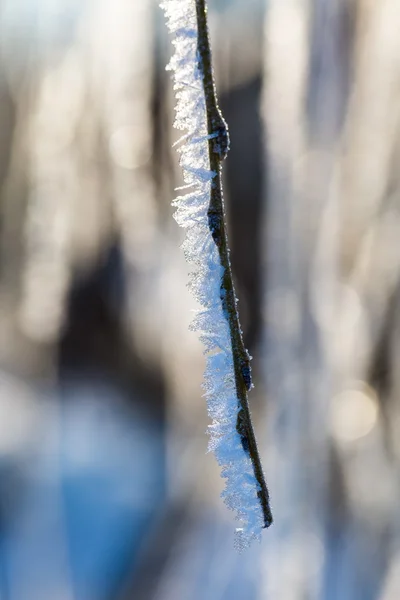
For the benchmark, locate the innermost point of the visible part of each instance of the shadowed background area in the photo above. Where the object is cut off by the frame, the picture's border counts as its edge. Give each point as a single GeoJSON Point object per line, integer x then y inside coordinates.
{"type": "Point", "coordinates": [106, 489]}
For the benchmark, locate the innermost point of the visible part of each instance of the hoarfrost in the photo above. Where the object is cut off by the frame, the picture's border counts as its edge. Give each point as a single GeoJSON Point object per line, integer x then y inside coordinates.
{"type": "Point", "coordinates": [240, 493]}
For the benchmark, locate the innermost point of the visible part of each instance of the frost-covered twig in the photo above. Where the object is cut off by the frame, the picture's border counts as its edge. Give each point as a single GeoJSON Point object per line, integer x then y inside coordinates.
{"type": "Point", "coordinates": [228, 373]}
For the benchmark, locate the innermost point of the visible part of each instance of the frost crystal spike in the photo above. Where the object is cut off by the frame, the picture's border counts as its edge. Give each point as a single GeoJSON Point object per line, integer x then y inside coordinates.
{"type": "Point", "coordinates": [203, 147]}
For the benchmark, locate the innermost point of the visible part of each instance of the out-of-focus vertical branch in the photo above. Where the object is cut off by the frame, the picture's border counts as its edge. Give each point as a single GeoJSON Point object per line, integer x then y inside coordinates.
{"type": "Point", "coordinates": [333, 271]}
{"type": "Point", "coordinates": [294, 371]}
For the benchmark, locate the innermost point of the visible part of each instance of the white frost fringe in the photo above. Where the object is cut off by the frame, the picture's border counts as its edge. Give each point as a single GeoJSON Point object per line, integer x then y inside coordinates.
{"type": "Point", "coordinates": [240, 493]}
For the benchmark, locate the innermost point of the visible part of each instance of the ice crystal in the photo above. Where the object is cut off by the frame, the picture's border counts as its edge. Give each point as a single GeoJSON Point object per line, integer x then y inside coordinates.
{"type": "Point", "coordinates": [240, 493]}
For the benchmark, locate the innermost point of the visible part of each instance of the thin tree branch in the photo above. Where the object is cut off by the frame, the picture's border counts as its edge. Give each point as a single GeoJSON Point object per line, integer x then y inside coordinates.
{"type": "Point", "coordinates": [218, 145]}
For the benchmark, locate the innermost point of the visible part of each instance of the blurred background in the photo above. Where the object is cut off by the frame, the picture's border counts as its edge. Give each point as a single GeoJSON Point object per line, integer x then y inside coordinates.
{"type": "Point", "coordinates": [106, 489]}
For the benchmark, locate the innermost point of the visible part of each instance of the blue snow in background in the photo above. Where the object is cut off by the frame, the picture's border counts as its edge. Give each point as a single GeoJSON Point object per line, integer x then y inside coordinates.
{"type": "Point", "coordinates": [92, 492]}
